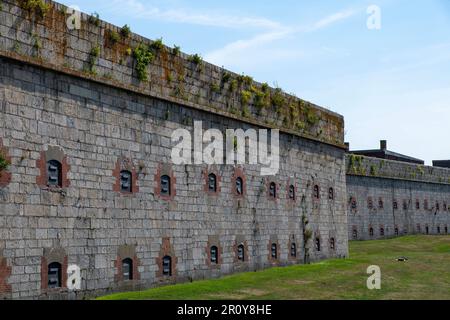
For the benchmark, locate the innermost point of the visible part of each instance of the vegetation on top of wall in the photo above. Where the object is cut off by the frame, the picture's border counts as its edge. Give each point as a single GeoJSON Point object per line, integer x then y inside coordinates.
{"type": "Point", "coordinates": [196, 59]}
{"type": "Point", "coordinates": [356, 164]}
{"type": "Point", "coordinates": [114, 37]}
{"type": "Point", "coordinates": [37, 7]}
{"type": "Point", "coordinates": [176, 50]}
{"type": "Point", "coordinates": [246, 96]}
{"type": "Point", "coordinates": [157, 45]}
{"type": "Point", "coordinates": [94, 18]}
{"type": "Point", "coordinates": [125, 31]}
{"type": "Point", "coordinates": [144, 57]}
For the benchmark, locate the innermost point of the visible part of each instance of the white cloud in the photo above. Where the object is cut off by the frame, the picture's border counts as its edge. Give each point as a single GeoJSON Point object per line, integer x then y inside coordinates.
{"type": "Point", "coordinates": [331, 19]}
{"type": "Point", "coordinates": [242, 53]}
{"type": "Point", "coordinates": [139, 10]}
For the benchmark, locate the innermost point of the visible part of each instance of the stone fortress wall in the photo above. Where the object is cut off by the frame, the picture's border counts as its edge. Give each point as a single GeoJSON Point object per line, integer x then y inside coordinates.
{"type": "Point", "coordinates": [388, 198]}
{"type": "Point", "coordinates": [83, 102]}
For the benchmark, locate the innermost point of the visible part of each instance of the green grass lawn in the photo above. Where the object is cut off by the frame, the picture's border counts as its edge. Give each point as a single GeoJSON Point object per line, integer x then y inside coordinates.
{"type": "Point", "coordinates": [426, 275]}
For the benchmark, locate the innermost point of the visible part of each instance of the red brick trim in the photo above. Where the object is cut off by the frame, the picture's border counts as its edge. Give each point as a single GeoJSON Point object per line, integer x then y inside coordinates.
{"type": "Point", "coordinates": [166, 250]}
{"type": "Point", "coordinates": [206, 174]}
{"type": "Point", "coordinates": [44, 273]}
{"type": "Point", "coordinates": [277, 190]}
{"type": "Point", "coordinates": [208, 254]}
{"type": "Point", "coordinates": [269, 247]}
{"type": "Point", "coordinates": [118, 277]}
{"type": "Point", "coordinates": [316, 199]}
{"type": "Point", "coordinates": [288, 185]}
{"type": "Point", "coordinates": [239, 172]}
{"type": "Point", "coordinates": [5, 272]}
{"type": "Point", "coordinates": [370, 204]}
{"type": "Point", "coordinates": [352, 201]}
{"type": "Point", "coordinates": [297, 248]}
{"type": "Point", "coordinates": [41, 164]}
{"type": "Point", "coordinates": [165, 170]}
{"type": "Point", "coordinates": [5, 176]}
{"type": "Point", "coordinates": [124, 163]}
{"type": "Point", "coordinates": [235, 250]}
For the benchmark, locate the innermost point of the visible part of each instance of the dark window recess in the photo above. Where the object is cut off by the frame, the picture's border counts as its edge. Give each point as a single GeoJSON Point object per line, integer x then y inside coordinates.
{"type": "Point", "coordinates": [331, 194]}
{"type": "Point", "coordinates": [396, 232]}
{"type": "Point", "coordinates": [241, 253]}
{"type": "Point", "coordinates": [54, 174]}
{"type": "Point", "coordinates": [446, 230]}
{"type": "Point", "coordinates": [316, 192]}
{"type": "Point", "coordinates": [371, 232]}
{"type": "Point", "coordinates": [353, 203]}
{"type": "Point", "coordinates": [214, 255]}
{"type": "Point", "coordinates": [273, 190]}
{"type": "Point", "coordinates": [380, 204]}
{"type": "Point", "coordinates": [395, 205]}
{"type": "Point", "coordinates": [355, 234]}
{"type": "Point", "coordinates": [165, 186]}
{"type": "Point", "coordinates": [293, 250]}
{"type": "Point", "coordinates": [274, 251]}
{"type": "Point", "coordinates": [405, 205]}
{"type": "Point", "coordinates": [318, 248]}
{"type": "Point", "coordinates": [167, 266]}
{"type": "Point", "coordinates": [291, 192]}
{"type": "Point", "coordinates": [427, 230]}
{"type": "Point", "coordinates": [370, 203]}
{"type": "Point", "coordinates": [239, 186]}
{"type": "Point", "coordinates": [212, 183]}
{"type": "Point", "coordinates": [382, 232]}
{"type": "Point", "coordinates": [417, 205]}
{"type": "Point", "coordinates": [127, 269]}
{"type": "Point", "coordinates": [125, 181]}
{"type": "Point", "coordinates": [444, 206]}
{"type": "Point", "coordinates": [54, 275]}
{"type": "Point", "coordinates": [437, 206]}
{"type": "Point", "coordinates": [332, 244]}
{"type": "Point", "coordinates": [438, 229]}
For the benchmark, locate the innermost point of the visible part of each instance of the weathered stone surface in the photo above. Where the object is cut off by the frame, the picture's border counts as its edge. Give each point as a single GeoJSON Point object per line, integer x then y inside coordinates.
{"type": "Point", "coordinates": [421, 195]}
{"type": "Point", "coordinates": [95, 121]}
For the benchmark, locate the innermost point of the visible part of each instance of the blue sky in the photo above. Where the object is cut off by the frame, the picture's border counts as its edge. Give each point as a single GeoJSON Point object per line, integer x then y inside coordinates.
{"type": "Point", "coordinates": [392, 83]}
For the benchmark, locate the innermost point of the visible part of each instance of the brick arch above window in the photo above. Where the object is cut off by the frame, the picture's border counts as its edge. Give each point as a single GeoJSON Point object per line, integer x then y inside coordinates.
{"type": "Point", "coordinates": [123, 166]}
{"type": "Point", "coordinates": [239, 177]}
{"type": "Point", "coordinates": [166, 250]}
{"type": "Point", "coordinates": [53, 155]}
{"type": "Point", "coordinates": [214, 244]}
{"type": "Point", "coordinates": [208, 175]}
{"type": "Point", "coordinates": [53, 256]}
{"type": "Point", "coordinates": [165, 188]}
{"type": "Point", "coordinates": [5, 175]}
{"type": "Point", "coordinates": [291, 190]}
{"type": "Point", "coordinates": [273, 190]}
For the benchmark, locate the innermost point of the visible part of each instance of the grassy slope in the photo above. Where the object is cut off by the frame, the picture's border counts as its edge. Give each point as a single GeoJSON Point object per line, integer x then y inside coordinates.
{"type": "Point", "coordinates": [425, 276]}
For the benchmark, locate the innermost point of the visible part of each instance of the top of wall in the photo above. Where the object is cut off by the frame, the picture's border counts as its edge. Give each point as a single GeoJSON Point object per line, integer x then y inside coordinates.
{"type": "Point", "coordinates": [358, 165]}
{"type": "Point", "coordinates": [99, 52]}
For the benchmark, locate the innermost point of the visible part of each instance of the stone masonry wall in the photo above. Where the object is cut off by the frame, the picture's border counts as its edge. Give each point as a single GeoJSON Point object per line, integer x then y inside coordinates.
{"type": "Point", "coordinates": [94, 129]}
{"type": "Point", "coordinates": [99, 52]}
{"type": "Point", "coordinates": [388, 198]}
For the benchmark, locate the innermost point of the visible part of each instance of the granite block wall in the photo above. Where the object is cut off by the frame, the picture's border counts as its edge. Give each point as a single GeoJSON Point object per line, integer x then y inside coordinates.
{"type": "Point", "coordinates": [96, 123]}
{"type": "Point", "coordinates": [389, 198]}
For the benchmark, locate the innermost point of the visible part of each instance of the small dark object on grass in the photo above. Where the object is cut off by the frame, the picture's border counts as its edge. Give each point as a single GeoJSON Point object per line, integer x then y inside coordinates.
{"type": "Point", "coordinates": [402, 259]}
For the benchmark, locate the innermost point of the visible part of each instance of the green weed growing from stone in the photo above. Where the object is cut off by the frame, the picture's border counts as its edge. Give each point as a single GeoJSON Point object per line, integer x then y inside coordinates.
{"type": "Point", "coordinates": [144, 57]}
{"type": "Point", "coordinates": [125, 32]}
